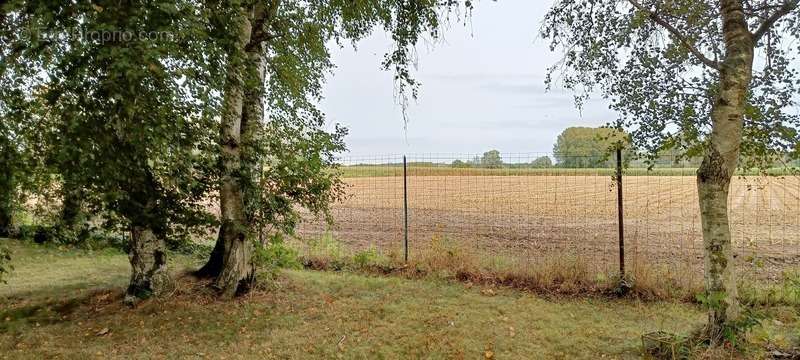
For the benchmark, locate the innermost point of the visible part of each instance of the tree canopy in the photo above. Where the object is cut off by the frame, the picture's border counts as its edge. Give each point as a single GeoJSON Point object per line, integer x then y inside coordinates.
{"type": "Point", "coordinates": [491, 160]}
{"type": "Point", "coordinates": [706, 78]}
{"type": "Point", "coordinates": [658, 63]}
{"type": "Point", "coordinates": [129, 106]}
{"type": "Point", "coordinates": [583, 147]}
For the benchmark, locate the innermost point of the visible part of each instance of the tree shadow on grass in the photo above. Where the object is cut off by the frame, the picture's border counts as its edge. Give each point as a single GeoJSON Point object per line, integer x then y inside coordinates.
{"type": "Point", "coordinates": [17, 317]}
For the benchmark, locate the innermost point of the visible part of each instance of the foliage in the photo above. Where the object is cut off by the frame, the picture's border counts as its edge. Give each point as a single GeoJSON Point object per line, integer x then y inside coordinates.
{"type": "Point", "coordinates": [687, 76]}
{"type": "Point", "coordinates": [662, 82]}
{"type": "Point", "coordinates": [123, 100]}
{"type": "Point", "coordinates": [732, 331]}
{"type": "Point", "coordinates": [89, 239]}
{"type": "Point", "coordinates": [784, 292]}
{"type": "Point", "coordinates": [276, 254]}
{"type": "Point", "coordinates": [325, 252]}
{"type": "Point", "coordinates": [294, 156]}
{"type": "Point", "coordinates": [542, 162]}
{"type": "Point", "coordinates": [365, 258]}
{"type": "Point", "coordinates": [459, 164]}
{"type": "Point", "coordinates": [584, 147]}
{"type": "Point", "coordinates": [130, 119]}
{"type": "Point", "coordinates": [491, 160]}
{"type": "Point", "coordinates": [17, 164]}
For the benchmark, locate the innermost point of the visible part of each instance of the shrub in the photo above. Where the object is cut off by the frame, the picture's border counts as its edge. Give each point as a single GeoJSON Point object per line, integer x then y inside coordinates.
{"type": "Point", "coordinates": [275, 254]}
{"type": "Point", "coordinates": [365, 258]}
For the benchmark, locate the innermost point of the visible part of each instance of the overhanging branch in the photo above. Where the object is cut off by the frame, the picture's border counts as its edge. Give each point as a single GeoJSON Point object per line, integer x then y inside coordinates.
{"type": "Point", "coordinates": [785, 9]}
{"type": "Point", "coordinates": [677, 34]}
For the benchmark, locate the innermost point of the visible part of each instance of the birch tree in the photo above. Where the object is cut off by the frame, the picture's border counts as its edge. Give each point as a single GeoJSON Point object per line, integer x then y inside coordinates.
{"type": "Point", "coordinates": [715, 79]}
{"type": "Point", "coordinates": [123, 93]}
{"type": "Point", "coordinates": [280, 57]}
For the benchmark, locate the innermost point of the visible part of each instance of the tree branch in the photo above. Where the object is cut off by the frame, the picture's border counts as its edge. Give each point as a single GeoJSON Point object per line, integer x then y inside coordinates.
{"type": "Point", "coordinates": [785, 9]}
{"type": "Point", "coordinates": [677, 34]}
{"type": "Point", "coordinates": [263, 19]}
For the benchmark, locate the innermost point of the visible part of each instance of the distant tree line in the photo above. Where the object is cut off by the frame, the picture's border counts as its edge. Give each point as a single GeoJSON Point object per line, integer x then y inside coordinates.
{"type": "Point", "coordinates": [493, 160]}
{"type": "Point", "coordinates": [588, 147]}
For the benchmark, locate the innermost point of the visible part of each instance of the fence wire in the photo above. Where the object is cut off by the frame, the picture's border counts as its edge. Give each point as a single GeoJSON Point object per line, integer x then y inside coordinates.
{"type": "Point", "coordinates": [523, 208]}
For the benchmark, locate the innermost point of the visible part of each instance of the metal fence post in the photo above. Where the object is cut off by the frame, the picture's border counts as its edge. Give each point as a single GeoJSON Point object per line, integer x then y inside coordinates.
{"type": "Point", "coordinates": [620, 216]}
{"type": "Point", "coordinates": [405, 211]}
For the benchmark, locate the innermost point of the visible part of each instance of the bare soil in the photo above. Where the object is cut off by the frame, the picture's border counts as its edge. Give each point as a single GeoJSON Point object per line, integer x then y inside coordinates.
{"type": "Point", "coordinates": [536, 217]}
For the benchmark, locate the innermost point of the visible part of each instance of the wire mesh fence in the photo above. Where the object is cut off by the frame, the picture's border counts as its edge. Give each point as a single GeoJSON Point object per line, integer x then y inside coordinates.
{"type": "Point", "coordinates": [529, 208]}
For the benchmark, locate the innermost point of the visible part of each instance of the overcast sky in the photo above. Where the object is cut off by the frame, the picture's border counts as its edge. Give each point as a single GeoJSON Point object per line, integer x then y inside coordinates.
{"type": "Point", "coordinates": [482, 88]}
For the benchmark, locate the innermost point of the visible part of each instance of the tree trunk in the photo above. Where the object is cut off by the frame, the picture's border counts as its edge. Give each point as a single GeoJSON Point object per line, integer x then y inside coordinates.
{"type": "Point", "coordinates": [148, 258]}
{"type": "Point", "coordinates": [718, 167]}
{"type": "Point", "coordinates": [5, 220]}
{"type": "Point", "coordinates": [5, 214]}
{"type": "Point", "coordinates": [231, 260]}
{"type": "Point", "coordinates": [72, 209]}
{"type": "Point", "coordinates": [213, 266]}
{"type": "Point", "coordinates": [7, 188]}
{"type": "Point", "coordinates": [252, 126]}
{"type": "Point", "coordinates": [237, 269]}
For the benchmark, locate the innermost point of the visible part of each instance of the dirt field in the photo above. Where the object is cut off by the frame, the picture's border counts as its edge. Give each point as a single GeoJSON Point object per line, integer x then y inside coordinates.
{"type": "Point", "coordinates": [536, 217]}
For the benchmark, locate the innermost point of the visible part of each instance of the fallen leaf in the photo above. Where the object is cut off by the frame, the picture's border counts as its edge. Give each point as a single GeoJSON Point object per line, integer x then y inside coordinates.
{"type": "Point", "coordinates": [102, 332]}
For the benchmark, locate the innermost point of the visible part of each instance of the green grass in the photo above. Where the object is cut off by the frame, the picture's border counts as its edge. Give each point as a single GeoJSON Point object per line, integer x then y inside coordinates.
{"type": "Point", "coordinates": [65, 271]}
{"type": "Point", "coordinates": [397, 170]}
{"type": "Point", "coordinates": [67, 304]}
{"type": "Point", "coordinates": [36, 267]}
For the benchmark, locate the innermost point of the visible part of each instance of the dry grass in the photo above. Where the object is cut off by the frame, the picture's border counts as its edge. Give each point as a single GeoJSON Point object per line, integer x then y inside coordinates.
{"type": "Point", "coordinates": [554, 276]}
{"type": "Point", "coordinates": [557, 275]}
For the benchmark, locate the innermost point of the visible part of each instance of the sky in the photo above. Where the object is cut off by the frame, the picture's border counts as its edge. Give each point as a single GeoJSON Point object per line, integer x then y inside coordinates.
{"type": "Point", "coordinates": [482, 88]}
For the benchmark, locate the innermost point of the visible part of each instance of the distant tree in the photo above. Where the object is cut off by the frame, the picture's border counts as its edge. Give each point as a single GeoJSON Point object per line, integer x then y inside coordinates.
{"type": "Point", "coordinates": [460, 164]}
{"type": "Point", "coordinates": [542, 162]}
{"type": "Point", "coordinates": [491, 160]}
{"type": "Point", "coordinates": [583, 147]}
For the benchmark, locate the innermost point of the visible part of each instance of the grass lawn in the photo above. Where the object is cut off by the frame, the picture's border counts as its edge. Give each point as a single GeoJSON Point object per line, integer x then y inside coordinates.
{"type": "Point", "coordinates": [67, 304]}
